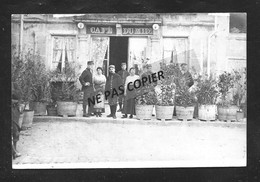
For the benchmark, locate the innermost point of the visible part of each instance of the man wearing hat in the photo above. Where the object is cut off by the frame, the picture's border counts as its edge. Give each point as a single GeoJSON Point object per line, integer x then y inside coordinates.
{"type": "Point", "coordinates": [86, 80]}
{"type": "Point", "coordinates": [186, 77]}
{"type": "Point", "coordinates": [123, 73]}
{"type": "Point", "coordinates": [113, 83]}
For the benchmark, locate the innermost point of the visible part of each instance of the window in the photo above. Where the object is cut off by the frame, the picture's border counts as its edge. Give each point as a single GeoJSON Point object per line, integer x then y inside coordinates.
{"type": "Point", "coordinates": [175, 50]}
{"type": "Point", "coordinates": [237, 23]}
{"type": "Point", "coordinates": [63, 52]}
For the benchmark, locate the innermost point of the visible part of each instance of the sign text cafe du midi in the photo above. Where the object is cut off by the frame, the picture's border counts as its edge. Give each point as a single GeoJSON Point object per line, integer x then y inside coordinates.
{"type": "Point", "coordinates": [126, 30]}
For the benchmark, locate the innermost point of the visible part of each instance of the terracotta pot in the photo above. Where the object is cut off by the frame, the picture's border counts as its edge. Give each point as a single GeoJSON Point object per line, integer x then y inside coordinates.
{"type": "Point", "coordinates": [144, 111]}
{"type": "Point", "coordinates": [164, 112]}
{"type": "Point", "coordinates": [184, 112]}
{"type": "Point", "coordinates": [27, 119]}
{"type": "Point", "coordinates": [39, 108]}
{"type": "Point", "coordinates": [67, 108]}
{"type": "Point", "coordinates": [207, 112]}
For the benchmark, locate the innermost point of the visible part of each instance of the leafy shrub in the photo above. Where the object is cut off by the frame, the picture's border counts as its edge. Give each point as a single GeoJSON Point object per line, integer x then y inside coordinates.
{"type": "Point", "coordinates": [145, 96]}
{"type": "Point", "coordinates": [225, 84]}
{"type": "Point", "coordinates": [184, 97]}
{"type": "Point", "coordinates": [206, 91]}
{"type": "Point", "coordinates": [63, 84]}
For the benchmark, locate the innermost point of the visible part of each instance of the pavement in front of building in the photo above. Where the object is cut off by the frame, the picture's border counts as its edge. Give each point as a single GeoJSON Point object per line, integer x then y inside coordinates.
{"type": "Point", "coordinates": [77, 140]}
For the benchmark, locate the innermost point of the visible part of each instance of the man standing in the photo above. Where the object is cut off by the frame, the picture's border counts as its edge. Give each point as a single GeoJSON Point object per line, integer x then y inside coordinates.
{"type": "Point", "coordinates": [147, 69]}
{"type": "Point", "coordinates": [123, 73]}
{"type": "Point", "coordinates": [185, 78]}
{"type": "Point", "coordinates": [113, 83]}
{"type": "Point", "coordinates": [86, 80]}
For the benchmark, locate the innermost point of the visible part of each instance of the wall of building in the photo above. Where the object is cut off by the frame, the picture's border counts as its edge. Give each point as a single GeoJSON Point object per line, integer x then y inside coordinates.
{"type": "Point", "coordinates": [208, 37]}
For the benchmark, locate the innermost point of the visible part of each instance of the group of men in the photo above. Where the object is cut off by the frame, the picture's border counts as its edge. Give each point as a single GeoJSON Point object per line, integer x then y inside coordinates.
{"type": "Point", "coordinates": [113, 83]}
{"type": "Point", "coordinates": [114, 80]}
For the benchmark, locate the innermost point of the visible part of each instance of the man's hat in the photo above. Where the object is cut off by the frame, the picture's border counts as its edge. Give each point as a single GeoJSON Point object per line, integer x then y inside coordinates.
{"type": "Point", "coordinates": [90, 62]}
{"type": "Point", "coordinates": [111, 66]}
{"type": "Point", "coordinates": [123, 64]}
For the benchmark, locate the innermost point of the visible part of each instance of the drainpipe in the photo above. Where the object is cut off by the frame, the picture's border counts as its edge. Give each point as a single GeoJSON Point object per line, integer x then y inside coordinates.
{"type": "Point", "coordinates": [21, 37]}
{"type": "Point", "coordinates": [209, 42]}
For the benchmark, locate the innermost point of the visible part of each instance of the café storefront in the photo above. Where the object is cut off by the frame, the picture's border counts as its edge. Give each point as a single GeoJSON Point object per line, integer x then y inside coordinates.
{"type": "Point", "coordinates": [201, 40]}
{"type": "Point", "coordinates": [114, 44]}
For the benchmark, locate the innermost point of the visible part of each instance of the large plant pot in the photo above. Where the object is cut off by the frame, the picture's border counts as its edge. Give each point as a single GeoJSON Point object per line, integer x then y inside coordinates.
{"type": "Point", "coordinates": [164, 112]}
{"type": "Point", "coordinates": [144, 111]}
{"type": "Point", "coordinates": [222, 113]}
{"type": "Point", "coordinates": [232, 113]}
{"type": "Point", "coordinates": [52, 111]}
{"type": "Point", "coordinates": [227, 113]}
{"type": "Point", "coordinates": [66, 108]}
{"type": "Point", "coordinates": [27, 119]}
{"type": "Point", "coordinates": [39, 108]}
{"type": "Point", "coordinates": [207, 112]}
{"type": "Point", "coordinates": [185, 113]}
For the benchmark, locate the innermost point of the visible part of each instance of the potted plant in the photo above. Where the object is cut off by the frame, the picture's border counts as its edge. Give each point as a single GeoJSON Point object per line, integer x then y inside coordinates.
{"type": "Point", "coordinates": [239, 94]}
{"type": "Point", "coordinates": [206, 93]}
{"type": "Point", "coordinates": [22, 78]}
{"type": "Point", "coordinates": [145, 100]}
{"type": "Point", "coordinates": [185, 103]}
{"type": "Point", "coordinates": [64, 91]}
{"type": "Point", "coordinates": [226, 110]}
{"type": "Point", "coordinates": [165, 99]}
{"type": "Point", "coordinates": [41, 93]}
{"type": "Point", "coordinates": [165, 91]}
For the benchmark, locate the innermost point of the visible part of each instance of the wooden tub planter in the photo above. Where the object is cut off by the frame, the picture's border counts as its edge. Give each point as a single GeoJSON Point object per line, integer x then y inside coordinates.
{"type": "Point", "coordinates": [207, 112]}
{"type": "Point", "coordinates": [66, 108]}
{"type": "Point", "coordinates": [39, 108]}
{"type": "Point", "coordinates": [164, 112]}
{"type": "Point", "coordinates": [227, 113]}
{"type": "Point", "coordinates": [185, 113]}
{"type": "Point", "coordinates": [144, 111]}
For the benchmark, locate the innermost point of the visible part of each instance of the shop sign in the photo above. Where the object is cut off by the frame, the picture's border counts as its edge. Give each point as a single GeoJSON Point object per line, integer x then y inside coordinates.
{"type": "Point", "coordinates": [101, 29]}
{"type": "Point", "coordinates": [137, 30]}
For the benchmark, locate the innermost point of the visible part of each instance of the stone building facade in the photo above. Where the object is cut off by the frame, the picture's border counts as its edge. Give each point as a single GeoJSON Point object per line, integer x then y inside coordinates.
{"type": "Point", "coordinates": [202, 40]}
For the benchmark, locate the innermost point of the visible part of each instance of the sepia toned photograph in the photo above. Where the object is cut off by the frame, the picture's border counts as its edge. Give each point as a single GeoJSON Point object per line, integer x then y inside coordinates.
{"type": "Point", "coordinates": [129, 90]}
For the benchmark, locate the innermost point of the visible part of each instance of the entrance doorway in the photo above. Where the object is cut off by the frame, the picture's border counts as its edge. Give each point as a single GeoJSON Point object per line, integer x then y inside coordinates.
{"type": "Point", "coordinates": [118, 51]}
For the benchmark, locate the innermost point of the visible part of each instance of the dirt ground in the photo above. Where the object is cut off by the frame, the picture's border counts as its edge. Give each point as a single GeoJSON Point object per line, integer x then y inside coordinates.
{"type": "Point", "coordinates": [76, 141]}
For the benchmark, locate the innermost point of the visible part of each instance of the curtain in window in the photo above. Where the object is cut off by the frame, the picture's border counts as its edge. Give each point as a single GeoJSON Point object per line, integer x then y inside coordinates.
{"type": "Point", "coordinates": [63, 51]}
{"type": "Point", "coordinates": [175, 50]}
{"type": "Point", "coordinates": [99, 48]}
{"type": "Point", "coordinates": [57, 53]}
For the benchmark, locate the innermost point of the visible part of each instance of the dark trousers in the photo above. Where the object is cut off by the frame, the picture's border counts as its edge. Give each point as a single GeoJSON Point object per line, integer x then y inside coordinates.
{"type": "Point", "coordinates": [113, 109]}
{"type": "Point", "coordinates": [90, 109]}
